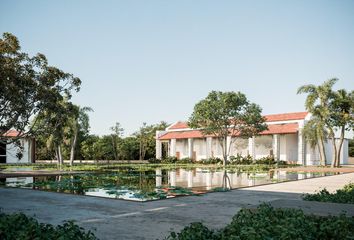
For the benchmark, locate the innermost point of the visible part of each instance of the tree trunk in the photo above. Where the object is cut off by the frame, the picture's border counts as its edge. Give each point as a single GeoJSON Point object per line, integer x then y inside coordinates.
{"type": "Point", "coordinates": [225, 151]}
{"type": "Point", "coordinates": [57, 155]}
{"type": "Point", "coordinates": [141, 151]}
{"type": "Point", "coordinates": [60, 156]}
{"type": "Point", "coordinates": [334, 154]}
{"type": "Point", "coordinates": [72, 150]}
{"type": "Point", "coordinates": [340, 146]}
{"type": "Point", "coordinates": [323, 158]}
{"type": "Point", "coordinates": [114, 144]}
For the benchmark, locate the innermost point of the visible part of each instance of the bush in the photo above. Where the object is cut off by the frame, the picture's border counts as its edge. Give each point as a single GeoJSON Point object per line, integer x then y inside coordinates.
{"type": "Point", "coordinates": [212, 160]}
{"type": "Point", "coordinates": [266, 160]}
{"type": "Point", "coordinates": [239, 159]}
{"type": "Point", "coordinates": [345, 195]}
{"type": "Point", "coordinates": [19, 226]}
{"type": "Point", "coordinates": [265, 222]}
{"type": "Point", "coordinates": [185, 161]}
{"type": "Point", "coordinates": [154, 160]}
{"type": "Point", "coordinates": [169, 160]}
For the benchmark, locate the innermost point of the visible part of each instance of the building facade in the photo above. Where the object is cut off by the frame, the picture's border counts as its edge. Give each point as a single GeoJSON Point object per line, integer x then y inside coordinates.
{"type": "Point", "coordinates": [283, 140]}
{"type": "Point", "coordinates": [8, 151]}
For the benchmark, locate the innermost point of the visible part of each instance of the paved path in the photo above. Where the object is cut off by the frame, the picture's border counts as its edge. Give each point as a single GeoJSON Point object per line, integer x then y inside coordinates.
{"type": "Point", "coordinates": [118, 219]}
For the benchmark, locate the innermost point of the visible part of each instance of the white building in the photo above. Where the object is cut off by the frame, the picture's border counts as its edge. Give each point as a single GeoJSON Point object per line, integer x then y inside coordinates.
{"type": "Point", "coordinates": [8, 151]}
{"type": "Point", "coordinates": [283, 140]}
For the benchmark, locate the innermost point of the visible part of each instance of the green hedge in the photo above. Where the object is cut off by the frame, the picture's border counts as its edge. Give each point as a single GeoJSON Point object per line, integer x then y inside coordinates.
{"type": "Point", "coordinates": [345, 195]}
{"type": "Point", "coordinates": [265, 222]}
{"type": "Point", "coordinates": [19, 226]}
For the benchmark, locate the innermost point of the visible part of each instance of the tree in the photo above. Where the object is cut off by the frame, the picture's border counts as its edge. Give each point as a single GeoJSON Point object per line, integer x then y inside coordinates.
{"type": "Point", "coordinates": [315, 134]}
{"type": "Point", "coordinates": [116, 137]}
{"type": "Point", "coordinates": [317, 103]}
{"type": "Point", "coordinates": [223, 114]}
{"type": "Point", "coordinates": [146, 138]}
{"type": "Point", "coordinates": [342, 116]}
{"type": "Point", "coordinates": [332, 110]}
{"type": "Point", "coordinates": [29, 86]}
{"type": "Point", "coordinates": [78, 125]}
{"type": "Point", "coordinates": [52, 123]}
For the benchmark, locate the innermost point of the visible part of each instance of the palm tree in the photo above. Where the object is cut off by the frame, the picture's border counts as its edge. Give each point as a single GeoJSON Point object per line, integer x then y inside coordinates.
{"type": "Point", "coordinates": [315, 134]}
{"type": "Point", "coordinates": [342, 108]}
{"type": "Point", "coordinates": [317, 103]}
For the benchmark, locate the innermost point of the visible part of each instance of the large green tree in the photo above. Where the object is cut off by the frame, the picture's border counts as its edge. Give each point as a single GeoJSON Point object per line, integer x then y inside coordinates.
{"type": "Point", "coordinates": [223, 114]}
{"type": "Point", "coordinates": [29, 87]}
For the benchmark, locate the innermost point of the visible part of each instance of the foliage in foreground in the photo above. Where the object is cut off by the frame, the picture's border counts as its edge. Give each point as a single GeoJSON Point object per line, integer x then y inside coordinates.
{"type": "Point", "coordinates": [19, 226]}
{"type": "Point", "coordinates": [345, 195]}
{"type": "Point", "coordinates": [268, 223]}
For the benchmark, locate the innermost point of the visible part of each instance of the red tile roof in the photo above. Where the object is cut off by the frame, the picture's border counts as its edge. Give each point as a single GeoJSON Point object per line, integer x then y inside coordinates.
{"type": "Point", "coordinates": [11, 133]}
{"type": "Point", "coordinates": [272, 129]}
{"type": "Point", "coordinates": [269, 118]}
{"type": "Point", "coordinates": [286, 116]}
{"type": "Point", "coordinates": [179, 125]}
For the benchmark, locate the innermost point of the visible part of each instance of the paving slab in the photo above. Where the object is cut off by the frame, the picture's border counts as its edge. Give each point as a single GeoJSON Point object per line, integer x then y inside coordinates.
{"type": "Point", "coordinates": [119, 219]}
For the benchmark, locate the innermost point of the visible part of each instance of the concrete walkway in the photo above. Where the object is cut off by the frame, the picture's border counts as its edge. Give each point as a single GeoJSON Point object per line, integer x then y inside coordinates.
{"type": "Point", "coordinates": [118, 219]}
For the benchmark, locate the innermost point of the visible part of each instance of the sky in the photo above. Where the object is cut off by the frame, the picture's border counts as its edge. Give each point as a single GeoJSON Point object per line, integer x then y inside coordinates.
{"type": "Point", "coordinates": [148, 61]}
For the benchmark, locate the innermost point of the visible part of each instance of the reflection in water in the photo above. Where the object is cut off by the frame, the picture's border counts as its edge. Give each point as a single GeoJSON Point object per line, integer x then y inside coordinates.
{"type": "Point", "coordinates": [158, 177]}
{"type": "Point", "coordinates": [153, 184]}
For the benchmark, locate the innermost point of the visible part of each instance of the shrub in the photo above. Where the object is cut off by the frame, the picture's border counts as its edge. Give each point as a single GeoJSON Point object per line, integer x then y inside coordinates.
{"type": "Point", "coordinates": [212, 160]}
{"type": "Point", "coordinates": [185, 161]}
{"type": "Point", "coordinates": [154, 160]}
{"type": "Point", "coordinates": [345, 195]}
{"type": "Point", "coordinates": [239, 159]}
{"type": "Point", "coordinates": [169, 160]}
{"type": "Point", "coordinates": [266, 160]}
{"type": "Point", "coordinates": [265, 222]}
{"type": "Point", "coordinates": [19, 226]}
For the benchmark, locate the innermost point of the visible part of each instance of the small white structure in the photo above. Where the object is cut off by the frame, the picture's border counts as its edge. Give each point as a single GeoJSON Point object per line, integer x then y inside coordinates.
{"type": "Point", "coordinates": [8, 151]}
{"type": "Point", "coordinates": [283, 140]}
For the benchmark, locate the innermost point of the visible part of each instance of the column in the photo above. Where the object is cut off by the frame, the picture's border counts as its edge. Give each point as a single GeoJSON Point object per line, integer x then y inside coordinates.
{"type": "Point", "coordinates": [209, 142]}
{"type": "Point", "coordinates": [173, 148]}
{"type": "Point", "coordinates": [158, 149]}
{"type": "Point", "coordinates": [190, 148]}
{"type": "Point", "coordinates": [301, 151]}
{"type": "Point", "coordinates": [252, 148]}
{"type": "Point", "coordinates": [301, 148]}
{"type": "Point", "coordinates": [228, 142]}
{"type": "Point", "coordinates": [276, 147]}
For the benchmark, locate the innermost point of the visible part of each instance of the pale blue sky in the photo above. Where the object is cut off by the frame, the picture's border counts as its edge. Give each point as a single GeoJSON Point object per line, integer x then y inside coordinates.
{"type": "Point", "coordinates": [146, 61]}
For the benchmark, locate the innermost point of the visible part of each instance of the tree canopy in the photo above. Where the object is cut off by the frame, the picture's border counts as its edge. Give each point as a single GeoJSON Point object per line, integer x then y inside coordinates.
{"type": "Point", "coordinates": [29, 86]}
{"type": "Point", "coordinates": [223, 114]}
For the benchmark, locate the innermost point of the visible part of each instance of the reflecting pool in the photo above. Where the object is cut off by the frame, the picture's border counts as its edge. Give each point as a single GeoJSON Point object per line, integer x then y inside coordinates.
{"type": "Point", "coordinates": [146, 185]}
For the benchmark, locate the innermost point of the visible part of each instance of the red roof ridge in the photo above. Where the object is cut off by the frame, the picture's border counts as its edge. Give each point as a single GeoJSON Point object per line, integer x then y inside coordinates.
{"type": "Point", "coordinates": [269, 118]}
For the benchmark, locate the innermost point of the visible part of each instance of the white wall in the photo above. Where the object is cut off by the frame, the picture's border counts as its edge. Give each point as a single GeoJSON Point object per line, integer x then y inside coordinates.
{"type": "Point", "coordinates": [182, 147]}
{"type": "Point", "coordinates": [11, 151]}
{"type": "Point", "coordinates": [344, 151]}
{"type": "Point", "coordinates": [239, 146]}
{"type": "Point", "coordinates": [263, 145]}
{"type": "Point", "coordinates": [199, 146]}
{"type": "Point", "coordinates": [288, 147]}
